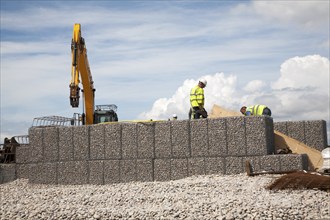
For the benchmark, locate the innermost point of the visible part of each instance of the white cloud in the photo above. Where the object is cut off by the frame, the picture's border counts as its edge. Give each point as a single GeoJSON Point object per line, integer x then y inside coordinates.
{"type": "Point", "coordinates": [302, 90]}
{"type": "Point", "coordinates": [308, 14]}
{"type": "Point", "coordinates": [300, 93]}
{"type": "Point", "coordinates": [302, 73]}
{"type": "Point", "coordinates": [178, 104]}
{"type": "Point", "coordinates": [254, 86]}
{"type": "Point", "coordinates": [220, 90]}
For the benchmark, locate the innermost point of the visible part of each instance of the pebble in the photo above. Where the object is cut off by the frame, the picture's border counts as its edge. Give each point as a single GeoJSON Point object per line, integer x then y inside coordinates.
{"type": "Point", "coordinates": [201, 197]}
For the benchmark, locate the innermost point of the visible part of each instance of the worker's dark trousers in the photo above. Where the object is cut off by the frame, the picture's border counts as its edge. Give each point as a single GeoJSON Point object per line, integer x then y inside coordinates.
{"type": "Point", "coordinates": [193, 114]}
{"type": "Point", "coordinates": [197, 113]}
{"type": "Point", "coordinates": [190, 113]}
{"type": "Point", "coordinates": [267, 111]}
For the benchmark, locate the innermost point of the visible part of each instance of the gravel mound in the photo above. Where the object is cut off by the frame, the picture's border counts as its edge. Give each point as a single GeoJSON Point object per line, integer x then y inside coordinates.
{"type": "Point", "coordinates": [198, 197]}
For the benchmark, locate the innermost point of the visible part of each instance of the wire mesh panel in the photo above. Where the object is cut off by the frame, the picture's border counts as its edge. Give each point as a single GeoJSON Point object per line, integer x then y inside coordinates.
{"type": "Point", "coordinates": [57, 121]}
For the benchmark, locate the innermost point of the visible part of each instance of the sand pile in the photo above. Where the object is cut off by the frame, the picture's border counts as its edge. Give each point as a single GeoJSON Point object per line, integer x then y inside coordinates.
{"type": "Point", "coordinates": [218, 111]}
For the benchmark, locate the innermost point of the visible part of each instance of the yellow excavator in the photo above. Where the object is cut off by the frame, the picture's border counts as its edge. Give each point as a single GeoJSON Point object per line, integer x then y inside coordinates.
{"type": "Point", "coordinates": [80, 70]}
{"type": "Point", "coordinates": [94, 114]}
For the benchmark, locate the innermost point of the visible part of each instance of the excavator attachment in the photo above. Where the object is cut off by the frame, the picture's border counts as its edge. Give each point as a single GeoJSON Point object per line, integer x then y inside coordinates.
{"type": "Point", "coordinates": [74, 88]}
{"type": "Point", "coordinates": [74, 95]}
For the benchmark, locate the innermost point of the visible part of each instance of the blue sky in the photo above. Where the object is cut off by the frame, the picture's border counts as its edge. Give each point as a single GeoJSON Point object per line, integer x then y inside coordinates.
{"type": "Point", "coordinates": [145, 56]}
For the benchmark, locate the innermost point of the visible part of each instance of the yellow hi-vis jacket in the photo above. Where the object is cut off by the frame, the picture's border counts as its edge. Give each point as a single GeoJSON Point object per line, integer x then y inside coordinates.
{"type": "Point", "coordinates": [255, 110]}
{"type": "Point", "coordinates": [197, 97]}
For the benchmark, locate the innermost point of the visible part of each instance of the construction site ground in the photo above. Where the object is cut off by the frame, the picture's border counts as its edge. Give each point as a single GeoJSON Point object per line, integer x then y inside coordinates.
{"type": "Point", "coordinates": [176, 182]}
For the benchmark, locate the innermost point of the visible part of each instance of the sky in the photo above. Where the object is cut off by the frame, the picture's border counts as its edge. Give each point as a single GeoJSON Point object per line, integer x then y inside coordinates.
{"type": "Point", "coordinates": [146, 55]}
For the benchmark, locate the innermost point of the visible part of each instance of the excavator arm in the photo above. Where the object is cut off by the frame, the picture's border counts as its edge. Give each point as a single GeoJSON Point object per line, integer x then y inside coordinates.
{"type": "Point", "coordinates": [80, 70]}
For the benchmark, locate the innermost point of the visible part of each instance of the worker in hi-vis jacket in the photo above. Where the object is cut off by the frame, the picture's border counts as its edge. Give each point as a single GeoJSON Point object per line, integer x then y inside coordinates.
{"type": "Point", "coordinates": [197, 109]}
{"type": "Point", "coordinates": [256, 110]}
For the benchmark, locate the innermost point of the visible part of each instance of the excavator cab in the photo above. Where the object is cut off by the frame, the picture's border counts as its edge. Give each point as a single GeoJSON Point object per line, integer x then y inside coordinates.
{"type": "Point", "coordinates": [105, 113]}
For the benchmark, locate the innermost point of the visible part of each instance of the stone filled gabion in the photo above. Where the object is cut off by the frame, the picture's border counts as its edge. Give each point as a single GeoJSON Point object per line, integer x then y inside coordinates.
{"type": "Point", "coordinates": [313, 133]}
{"type": "Point", "coordinates": [197, 197]}
{"type": "Point", "coordinates": [156, 151]}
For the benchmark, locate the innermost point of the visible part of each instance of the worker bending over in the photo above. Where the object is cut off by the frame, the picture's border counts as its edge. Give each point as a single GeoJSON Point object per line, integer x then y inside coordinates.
{"type": "Point", "coordinates": [197, 109]}
{"type": "Point", "coordinates": [256, 110]}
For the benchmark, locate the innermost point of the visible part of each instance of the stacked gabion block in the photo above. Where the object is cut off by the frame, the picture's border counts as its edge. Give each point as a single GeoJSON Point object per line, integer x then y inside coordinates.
{"type": "Point", "coordinates": [151, 151]}
{"type": "Point", "coordinates": [7, 173]}
{"type": "Point", "coordinates": [312, 133]}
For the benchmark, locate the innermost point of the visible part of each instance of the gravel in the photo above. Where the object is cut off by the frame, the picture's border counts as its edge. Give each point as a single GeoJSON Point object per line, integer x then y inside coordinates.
{"type": "Point", "coordinates": [197, 197]}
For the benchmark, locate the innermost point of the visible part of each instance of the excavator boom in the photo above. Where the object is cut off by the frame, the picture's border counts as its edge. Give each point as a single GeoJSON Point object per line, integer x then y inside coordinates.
{"type": "Point", "coordinates": [80, 70]}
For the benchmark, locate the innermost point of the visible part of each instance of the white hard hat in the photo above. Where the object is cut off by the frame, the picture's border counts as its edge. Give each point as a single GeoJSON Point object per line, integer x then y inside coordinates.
{"type": "Point", "coordinates": [203, 81]}
{"type": "Point", "coordinates": [175, 116]}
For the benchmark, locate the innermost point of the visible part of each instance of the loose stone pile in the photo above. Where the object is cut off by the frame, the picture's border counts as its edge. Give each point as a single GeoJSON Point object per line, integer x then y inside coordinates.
{"type": "Point", "coordinates": [198, 197]}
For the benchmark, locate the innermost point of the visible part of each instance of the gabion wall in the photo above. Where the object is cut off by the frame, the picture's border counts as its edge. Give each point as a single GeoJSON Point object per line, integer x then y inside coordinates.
{"type": "Point", "coordinates": [7, 172]}
{"type": "Point", "coordinates": [153, 151]}
{"type": "Point", "coordinates": [312, 133]}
